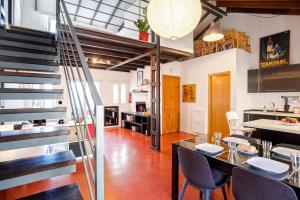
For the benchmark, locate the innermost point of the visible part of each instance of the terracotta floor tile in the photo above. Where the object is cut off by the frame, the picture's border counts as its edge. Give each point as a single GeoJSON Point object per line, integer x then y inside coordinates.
{"type": "Point", "coordinates": [132, 170]}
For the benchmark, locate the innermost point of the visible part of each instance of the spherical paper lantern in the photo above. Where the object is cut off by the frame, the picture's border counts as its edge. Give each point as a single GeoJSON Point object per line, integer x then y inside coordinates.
{"type": "Point", "coordinates": [173, 19]}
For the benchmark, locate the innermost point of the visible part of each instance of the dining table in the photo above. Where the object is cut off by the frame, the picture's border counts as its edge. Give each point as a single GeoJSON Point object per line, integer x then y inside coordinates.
{"type": "Point", "coordinates": [225, 162]}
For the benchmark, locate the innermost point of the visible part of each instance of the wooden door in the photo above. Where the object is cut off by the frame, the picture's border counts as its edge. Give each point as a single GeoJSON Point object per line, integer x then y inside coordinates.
{"type": "Point", "coordinates": [218, 103]}
{"type": "Point", "coordinates": [170, 104]}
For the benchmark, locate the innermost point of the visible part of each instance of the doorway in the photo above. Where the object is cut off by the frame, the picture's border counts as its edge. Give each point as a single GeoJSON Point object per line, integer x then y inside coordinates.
{"type": "Point", "coordinates": [218, 103]}
{"type": "Point", "coordinates": [170, 104]}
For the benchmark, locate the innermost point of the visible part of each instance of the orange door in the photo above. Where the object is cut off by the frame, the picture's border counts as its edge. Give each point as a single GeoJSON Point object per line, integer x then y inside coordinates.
{"type": "Point", "coordinates": [218, 103]}
{"type": "Point", "coordinates": [170, 104]}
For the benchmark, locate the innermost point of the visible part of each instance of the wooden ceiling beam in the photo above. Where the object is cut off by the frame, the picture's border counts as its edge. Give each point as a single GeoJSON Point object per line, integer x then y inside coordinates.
{"type": "Point", "coordinates": [105, 67]}
{"type": "Point", "coordinates": [218, 12]}
{"type": "Point", "coordinates": [265, 11]}
{"type": "Point", "coordinates": [102, 36]}
{"type": "Point", "coordinates": [131, 60]}
{"type": "Point", "coordinates": [205, 29]}
{"type": "Point", "coordinates": [260, 4]}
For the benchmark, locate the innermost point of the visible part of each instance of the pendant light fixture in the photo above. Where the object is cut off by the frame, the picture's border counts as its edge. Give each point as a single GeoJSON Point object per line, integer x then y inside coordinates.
{"type": "Point", "coordinates": [173, 19]}
{"type": "Point", "coordinates": [213, 33]}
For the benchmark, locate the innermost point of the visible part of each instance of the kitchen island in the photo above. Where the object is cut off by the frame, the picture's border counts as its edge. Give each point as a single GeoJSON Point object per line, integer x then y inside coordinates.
{"type": "Point", "coordinates": [275, 131]}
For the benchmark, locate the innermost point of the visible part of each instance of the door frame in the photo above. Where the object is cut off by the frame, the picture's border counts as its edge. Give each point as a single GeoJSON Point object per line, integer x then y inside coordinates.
{"type": "Point", "coordinates": [163, 100]}
{"type": "Point", "coordinates": [210, 97]}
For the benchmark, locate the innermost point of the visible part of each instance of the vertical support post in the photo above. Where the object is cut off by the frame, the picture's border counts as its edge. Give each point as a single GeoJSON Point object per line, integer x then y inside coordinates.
{"type": "Point", "coordinates": [58, 22]}
{"type": "Point", "coordinates": [9, 12]}
{"type": "Point", "coordinates": [155, 97]}
{"type": "Point", "coordinates": [99, 152]}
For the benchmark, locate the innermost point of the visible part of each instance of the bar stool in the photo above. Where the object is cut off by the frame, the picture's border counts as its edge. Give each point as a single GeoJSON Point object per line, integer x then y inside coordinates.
{"type": "Point", "coordinates": [235, 126]}
{"type": "Point", "coordinates": [247, 185]}
{"type": "Point", "coordinates": [199, 175]}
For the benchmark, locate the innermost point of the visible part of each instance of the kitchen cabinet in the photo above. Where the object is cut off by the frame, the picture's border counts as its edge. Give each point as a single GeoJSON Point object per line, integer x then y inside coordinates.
{"type": "Point", "coordinates": [253, 81]}
{"type": "Point", "coordinates": [276, 79]}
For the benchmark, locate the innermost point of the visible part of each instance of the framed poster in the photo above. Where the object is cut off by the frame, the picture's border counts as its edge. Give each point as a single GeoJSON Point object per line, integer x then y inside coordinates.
{"type": "Point", "coordinates": [275, 50]}
{"type": "Point", "coordinates": [139, 78]}
{"type": "Point", "coordinates": [189, 93]}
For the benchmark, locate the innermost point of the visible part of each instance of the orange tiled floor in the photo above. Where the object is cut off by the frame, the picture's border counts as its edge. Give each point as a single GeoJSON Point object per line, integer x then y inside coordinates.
{"type": "Point", "coordinates": [132, 170]}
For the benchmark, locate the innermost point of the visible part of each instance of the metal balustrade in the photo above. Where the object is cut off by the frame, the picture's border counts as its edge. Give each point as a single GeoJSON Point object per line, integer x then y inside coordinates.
{"type": "Point", "coordinates": [68, 48]}
{"type": "Point", "coordinates": [2, 16]}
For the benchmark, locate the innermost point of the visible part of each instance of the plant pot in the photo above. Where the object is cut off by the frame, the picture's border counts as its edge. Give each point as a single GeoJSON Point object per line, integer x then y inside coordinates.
{"type": "Point", "coordinates": [144, 36]}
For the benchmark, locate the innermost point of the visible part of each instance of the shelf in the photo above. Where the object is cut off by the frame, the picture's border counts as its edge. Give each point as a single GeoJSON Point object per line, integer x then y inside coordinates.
{"type": "Point", "coordinates": [133, 123]}
{"type": "Point", "coordinates": [110, 116]}
{"type": "Point", "coordinates": [139, 92]}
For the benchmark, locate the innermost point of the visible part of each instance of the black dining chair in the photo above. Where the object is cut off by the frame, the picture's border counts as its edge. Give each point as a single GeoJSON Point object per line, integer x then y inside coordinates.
{"type": "Point", "coordinates": [199, 174]}
{"type": "Point", "coordinates": [247, 185]}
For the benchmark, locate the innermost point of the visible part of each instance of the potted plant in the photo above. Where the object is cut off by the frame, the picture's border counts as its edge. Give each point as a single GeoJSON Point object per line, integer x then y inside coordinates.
{"type": "Point", "coordinates": [143, 27]}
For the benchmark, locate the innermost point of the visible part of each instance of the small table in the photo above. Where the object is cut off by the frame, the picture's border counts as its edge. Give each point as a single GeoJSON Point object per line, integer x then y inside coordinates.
{"type": "Point", "coordinates": [220, 162]}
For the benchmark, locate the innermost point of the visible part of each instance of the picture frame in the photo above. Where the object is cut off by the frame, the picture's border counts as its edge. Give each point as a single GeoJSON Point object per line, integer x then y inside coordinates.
{"type": "Point", "coordinates": [189, 93]}
{"type": "Point", "coordinates": [274, 50]}
{"type": "Point", "coordinates": [139, 78]}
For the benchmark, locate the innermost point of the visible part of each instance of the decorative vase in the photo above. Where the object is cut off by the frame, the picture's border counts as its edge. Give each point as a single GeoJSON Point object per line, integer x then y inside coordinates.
{"type": "Point", "coordinates": [144, 36]}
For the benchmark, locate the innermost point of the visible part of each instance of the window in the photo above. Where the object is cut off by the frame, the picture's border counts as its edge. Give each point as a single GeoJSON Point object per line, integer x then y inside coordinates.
{"type": "Point", "coordinates": [115, 93]}
{"type": "Point", "coordinates": [119, 93]}
{"type": "Point", "coordinates": [123, 93]}
{"type": "Point", "coordinates": [52, 25]}
{"type": "Point", "coordinates": [89, 95]}
{"type": "Point", "coordinates": [77, 85]}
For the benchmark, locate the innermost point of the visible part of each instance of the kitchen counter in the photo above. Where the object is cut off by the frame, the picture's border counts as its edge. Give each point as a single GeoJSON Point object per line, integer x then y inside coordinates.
{"type": "Point", "coordinates": [281, 114]}
{"type": "Point", "coordinates": [273, 125]}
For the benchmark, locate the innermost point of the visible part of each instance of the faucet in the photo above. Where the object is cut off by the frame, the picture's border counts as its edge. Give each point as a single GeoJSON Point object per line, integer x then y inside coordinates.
{"type": "Point", "coordinates": [273, 107]}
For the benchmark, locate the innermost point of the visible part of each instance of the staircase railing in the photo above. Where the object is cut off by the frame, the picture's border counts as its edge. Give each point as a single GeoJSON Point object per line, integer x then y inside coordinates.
{"type": "Point", "coordinates": [79, 78]}
{"type": "Point", "coordinates": [2, 16]}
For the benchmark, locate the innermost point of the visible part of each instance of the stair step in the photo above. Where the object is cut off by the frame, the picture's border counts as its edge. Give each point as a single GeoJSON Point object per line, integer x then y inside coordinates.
{"type": "Point", "coordinates": [27, 46]}
{"type": "Point", "coordinates": [26, 38]}
{"type": "Point", "coordinates": [67, 192]}
{"type": "Point", "coordinates": [24, 94]}
{"type": "Point", "coordinates": [33, 137]}
{"type": "Point", "coordinates": [27, 170]}
{"type": "Point", "coordinates": [25, 114]}
{"type": "Point", "coordinates": [31, 32]}
{"type": "Point", "coordinates": [29, 78]}
{"type": "Point", "coordinates": [8, 51]}
{"type": "Point", "coordinates": [28, 64]}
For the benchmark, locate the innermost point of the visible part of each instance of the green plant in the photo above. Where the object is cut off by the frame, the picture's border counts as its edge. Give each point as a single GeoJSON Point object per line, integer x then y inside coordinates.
{"type": "Point", "coordinates": [142, 24]}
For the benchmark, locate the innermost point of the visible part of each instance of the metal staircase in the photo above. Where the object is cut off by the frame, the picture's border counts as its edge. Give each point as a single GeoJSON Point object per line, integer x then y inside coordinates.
{"type": "Point", "coordinates": [17, 46]}
{"type": "Point", "coordinates": [33, 57]}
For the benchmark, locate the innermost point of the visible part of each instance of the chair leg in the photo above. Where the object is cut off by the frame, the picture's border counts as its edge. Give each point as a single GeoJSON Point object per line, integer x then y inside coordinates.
{"type": "Point", "coordinates": [228, 183]}
{"type": "Point", "coordinates": [224, 193]}
{"type": "Point", "coordinates": [200, 195]}
{"type": "Point", "coordinates": [207, 194]}
{"type": "Point", "coordinates": [185, 184]}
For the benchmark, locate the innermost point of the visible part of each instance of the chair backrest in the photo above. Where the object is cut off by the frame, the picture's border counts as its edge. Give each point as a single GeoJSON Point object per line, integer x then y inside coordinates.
{"type": "Point", "coordinates": [247, 185]}
{"type": "Point", "coordinates": [232, 120]}
{"type": "Point", "coordinates": [232, 115]}
{"type": "Point", "coordinates": [196, 169]}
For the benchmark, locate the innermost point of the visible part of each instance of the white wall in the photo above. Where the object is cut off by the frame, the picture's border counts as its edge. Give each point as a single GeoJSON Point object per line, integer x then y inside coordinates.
{"type": "Point", "coordinates": [196, 71]}
{"type": "Point", "coordinates": [31, 18]}
{"type": "Point", "coordinates": [106, 80]}
{"type": "Point", "coordinates": [257, 27]}
{"type": "Point", "coordinates": [173, 69]}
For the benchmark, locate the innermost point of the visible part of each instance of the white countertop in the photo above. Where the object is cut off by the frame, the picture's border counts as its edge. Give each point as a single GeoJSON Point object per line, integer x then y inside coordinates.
{"type": "Point", "coordinates": [273, 125]}
{"type": "Point", "coordinates": [281, 114]}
